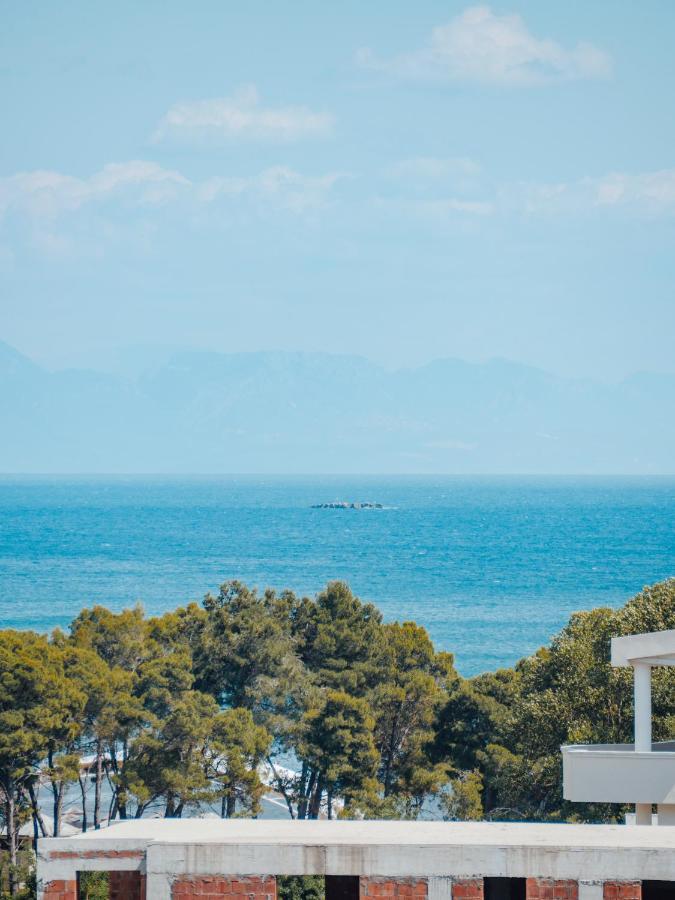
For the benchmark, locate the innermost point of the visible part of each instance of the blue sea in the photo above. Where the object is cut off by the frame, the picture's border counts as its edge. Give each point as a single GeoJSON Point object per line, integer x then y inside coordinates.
{"type": "Point", "coordinates": [491, 566]}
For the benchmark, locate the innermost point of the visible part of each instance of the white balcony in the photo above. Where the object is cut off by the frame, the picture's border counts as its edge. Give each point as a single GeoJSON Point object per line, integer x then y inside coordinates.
{"type": "Point", "coordinates": [616, 773]}
{"type": "Point", "coordinates": [642, 773]}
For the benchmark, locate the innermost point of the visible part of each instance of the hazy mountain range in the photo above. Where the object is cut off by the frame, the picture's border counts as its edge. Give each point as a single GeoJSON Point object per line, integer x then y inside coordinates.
{"type": "Point", "coordinates": [304, 412]}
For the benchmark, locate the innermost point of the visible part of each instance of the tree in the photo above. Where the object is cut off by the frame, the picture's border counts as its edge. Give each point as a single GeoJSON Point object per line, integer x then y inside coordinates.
{"type": "Point", "coordinates": [118, 638]}
{"type": "Point", "coordinates": [301, 887]}
{"type": "Point", "coordinates": [110, 711]}
{"type": "Point", "coordinates": [238, 748]}
{"type": "Point", "coordinates": [339, 751]}
{"type": "Point", "coordinates": [464, 801]}
{"type": "Point", "coordinates": [33, 695]}
{"type": "Point", "coordinates": [246, 647]}
{"type": "Point", "coordinates": [170, 762]}
{"type": "Point", "coordinates": [414, 680]}
{"type": "Point", "coordinates": [564, 694]}
{"type": "Point", "coordinates": [340, 639]}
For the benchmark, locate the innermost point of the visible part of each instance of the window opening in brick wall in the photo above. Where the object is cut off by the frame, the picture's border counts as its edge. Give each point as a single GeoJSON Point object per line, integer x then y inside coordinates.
{"type": "Point", "coordinates": [658, 890]}
{"type": "Point", "coordinates": [504, 888]}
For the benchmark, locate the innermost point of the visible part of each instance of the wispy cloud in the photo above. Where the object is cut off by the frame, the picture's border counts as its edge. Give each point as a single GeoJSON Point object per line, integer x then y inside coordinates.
{"type": "Point", "coordinates": [482, 46]}
{"type": "Point", "coordinates": [45, 194]}
{"type": "Point", "coordinates": [62, 215]}
{"type": "Point", "coordinates": [278, 184]}
{"type": "Point", "coordinates": [451, 205]}
{"type": "Point", "coordinates": [448, 189]}
{"type": "Point", "coordinates": [643, 193]}
{"type": "Point", "coordinates": [241, 115]}
{"type": "Point", "coordinates": [434, 168]}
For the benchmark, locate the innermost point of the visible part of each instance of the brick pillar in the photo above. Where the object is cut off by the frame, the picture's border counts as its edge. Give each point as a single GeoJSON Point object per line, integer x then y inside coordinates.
{"type": "Point", "coordinates": [622, 890]}
{"type": "Point", "coordinates": [215, 887]}
{"type": "Point", "coordinates": [549, 889]}
{"type": "Point", "coordinates": [60, 890]}
{"type": "Point", "coordinates": [467, 889]}
{"type": "Point", "coordinates": [126, 885]}
{"type": "Point", "coordinates": [391, 888]}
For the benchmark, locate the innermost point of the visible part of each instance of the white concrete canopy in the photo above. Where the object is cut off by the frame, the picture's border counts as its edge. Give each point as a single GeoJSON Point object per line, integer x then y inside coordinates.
{"type": "Point", "coordinates": [656, 648]}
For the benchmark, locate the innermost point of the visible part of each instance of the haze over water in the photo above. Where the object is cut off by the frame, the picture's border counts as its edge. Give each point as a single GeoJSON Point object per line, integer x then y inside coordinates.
{"type": "Point", "coordinates": [492, 567]}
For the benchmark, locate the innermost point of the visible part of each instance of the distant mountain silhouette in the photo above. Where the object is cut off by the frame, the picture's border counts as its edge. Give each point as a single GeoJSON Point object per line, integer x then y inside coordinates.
{"type": "Point", "coordinates": [314, 412]}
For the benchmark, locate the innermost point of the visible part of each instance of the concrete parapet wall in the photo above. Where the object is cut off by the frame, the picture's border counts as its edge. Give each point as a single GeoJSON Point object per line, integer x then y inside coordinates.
{"type": "Point", "coordinates": [411, 860]}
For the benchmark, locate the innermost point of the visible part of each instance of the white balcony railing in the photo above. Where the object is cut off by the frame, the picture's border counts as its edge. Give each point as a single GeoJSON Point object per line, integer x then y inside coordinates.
{"type": "Point", "coordinates": [616, 773]}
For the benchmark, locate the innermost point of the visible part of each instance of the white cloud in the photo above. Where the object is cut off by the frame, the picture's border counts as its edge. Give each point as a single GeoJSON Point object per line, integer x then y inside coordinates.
{"type": "Point", "coordinates": [62, 215]}
{"type": "Point", "coordinates": [435, 168]}
{"type": "Point", "coordinates": [645, 193]}
{"type": "Point", "coordinates": [46, 194]}
{"type": "Point", "coordinates": [278, 185]}
{"type": "Point", "coordinates": [480, 45]}
{"type": "Point", "coordinates": [240, 116]}
{"type": "Point", "coordinates": [446, 207]}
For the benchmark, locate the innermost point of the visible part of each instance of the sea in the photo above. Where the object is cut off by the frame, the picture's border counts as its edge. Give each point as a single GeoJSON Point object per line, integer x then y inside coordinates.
{"type": "Point", "coordinates": [491, 566]}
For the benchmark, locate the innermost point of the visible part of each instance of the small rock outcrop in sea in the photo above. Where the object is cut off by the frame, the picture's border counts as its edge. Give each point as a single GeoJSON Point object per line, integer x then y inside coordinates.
{"type": "Point", "coordinates": [343, 504]}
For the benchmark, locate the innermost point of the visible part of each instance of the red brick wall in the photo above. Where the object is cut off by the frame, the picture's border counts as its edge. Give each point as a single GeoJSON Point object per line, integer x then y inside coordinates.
{"type": "Point", "coordinates": [548, 889]}
{"type": "Point", "coordinates": [622, 890]}
{"type": "Point", "coordinates": [214, 887]}
{"type": "Point", "coordinates": [393, 887]}
{"type": "Point", "coordinates": [126, 886]}
{"type": "Point", "coordinates": [467, 889]}
{"type": "Point", "coordinates": [60, 890]}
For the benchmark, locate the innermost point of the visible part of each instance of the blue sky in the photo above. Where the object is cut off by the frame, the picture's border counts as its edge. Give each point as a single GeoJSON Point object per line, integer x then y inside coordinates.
{"type": "Point", "coordinates": [403, 181]}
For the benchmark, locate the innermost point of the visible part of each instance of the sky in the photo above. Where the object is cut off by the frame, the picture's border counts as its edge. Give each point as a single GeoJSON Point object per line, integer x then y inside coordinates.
{"type": "Point", "coordinates": [399, 180]}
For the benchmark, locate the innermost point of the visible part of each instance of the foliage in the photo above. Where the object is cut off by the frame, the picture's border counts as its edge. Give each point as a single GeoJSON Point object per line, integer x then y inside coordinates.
{"type": "Point", "coordinates": [464, 800]}
{"type": "Point", "coordinates": [343, 714]}
{"type": "Point", "coordinates": [301, 887]}
{"type": "Point", "coordinates": [18, 881]}
{"type": "Point", "coordinates": [94, 886]}
{"type": "Point", "coordinates": [566, 693]}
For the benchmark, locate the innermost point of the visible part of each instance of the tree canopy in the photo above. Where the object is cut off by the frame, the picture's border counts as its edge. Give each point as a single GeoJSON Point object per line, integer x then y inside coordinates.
{"type": "Point", "coordinates": [339, 712]}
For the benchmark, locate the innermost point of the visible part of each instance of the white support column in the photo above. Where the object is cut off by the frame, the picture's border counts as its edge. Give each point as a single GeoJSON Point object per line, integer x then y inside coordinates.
{"type": "Point", "coordinates": [643, 814]}
{"type": "Point", "coordinates": [642, 692]}
{"type": "Point", "coordinates": [439, 888]}
{"type": "Point", "coordinates": [666, 813]}
{"type": "Point", "coordinates": [642, 724]}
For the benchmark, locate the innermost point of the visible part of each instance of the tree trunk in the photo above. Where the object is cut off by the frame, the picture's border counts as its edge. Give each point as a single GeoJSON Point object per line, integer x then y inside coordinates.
{"type": "Point", "coordinates": [315, 804]}
{"type": "Point", "coordinates": [10, 816]}
{"type": "Point", "coordinates": [231, 805]}
{"type": "Point", "coordinates": [97, 791]}
{"type": "Point", "coordinates": [330, 804]}
{"type": "Point", "coordinates": [386, 780]}
{"type": "Point", "coordinates": [37, 814]}
{"type": "Point", "coordinates": [55, 793]}
{"type": "Point", "coordinates": [83, 791]}
{"type": "Point", "coordinates": [306, 797]}
{"type": "Point", "coordinates": [58, 807]}
{"type": "Point", "coordinates": [282, 790]}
